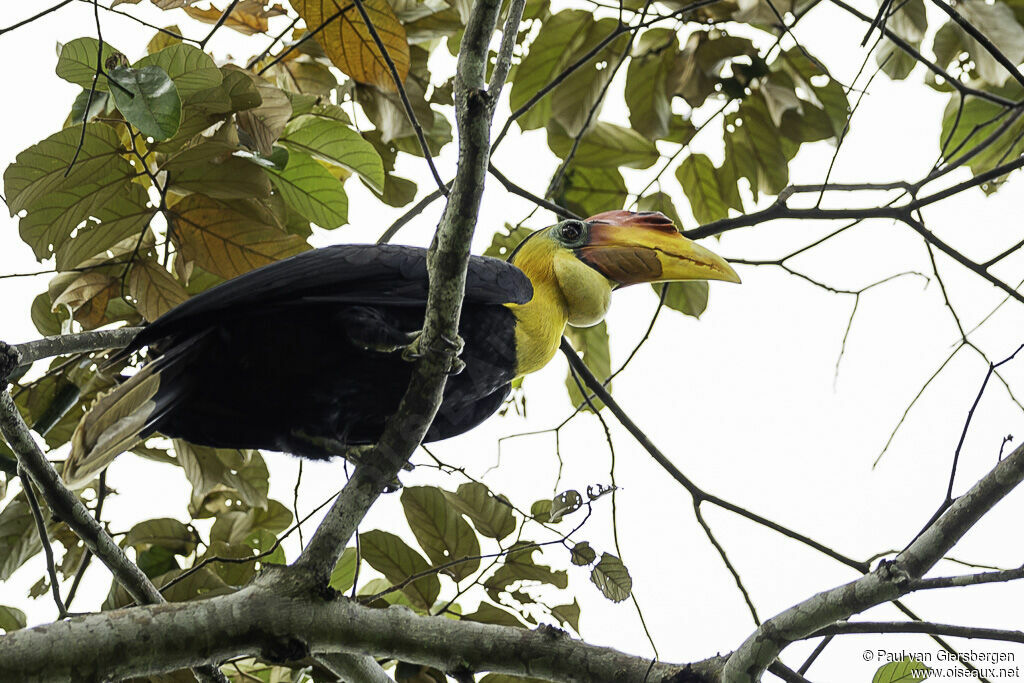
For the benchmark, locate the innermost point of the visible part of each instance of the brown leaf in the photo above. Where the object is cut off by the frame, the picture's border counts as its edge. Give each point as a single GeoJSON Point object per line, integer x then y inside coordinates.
{"type": "Point", "coordinates": [248, 17]}
{"type": "Point", "coordinates": [349, 44]}
{"type": "Point", "coordinates": [86, 294]}
{"type": "Point", "coordinates": [225, 239]}
{"type": "Point", "coordinates": [154, 289]}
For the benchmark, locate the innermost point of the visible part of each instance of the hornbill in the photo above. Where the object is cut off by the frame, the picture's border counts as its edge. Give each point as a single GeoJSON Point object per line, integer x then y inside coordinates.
{"type": "Point", "coordinates": [310, 355]}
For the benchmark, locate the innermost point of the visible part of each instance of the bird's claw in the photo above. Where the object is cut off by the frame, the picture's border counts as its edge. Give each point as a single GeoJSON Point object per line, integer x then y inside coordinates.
{"type": "Point", "coordinates": [9, 360]}
{"type": "Point", "coordinates": [447, 347]}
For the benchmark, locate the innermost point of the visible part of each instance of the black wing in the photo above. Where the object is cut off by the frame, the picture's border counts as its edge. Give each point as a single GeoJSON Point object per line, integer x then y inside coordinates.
{"type": "Point", "coordinates": [345, 273]}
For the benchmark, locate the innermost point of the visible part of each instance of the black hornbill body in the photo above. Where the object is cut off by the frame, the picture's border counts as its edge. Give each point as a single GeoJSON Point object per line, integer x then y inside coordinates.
{"type": "Point", "coordinates": [310, 355]}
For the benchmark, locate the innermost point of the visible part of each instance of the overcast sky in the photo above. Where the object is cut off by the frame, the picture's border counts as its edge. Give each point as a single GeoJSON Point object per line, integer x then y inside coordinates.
{"type": "Point", "coordinates": [746, 401]}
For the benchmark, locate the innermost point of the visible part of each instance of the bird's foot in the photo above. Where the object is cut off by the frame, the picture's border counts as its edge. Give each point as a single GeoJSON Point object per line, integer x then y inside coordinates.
{"type": "Point", "coordinates": [447, 347]}
{"type": "Point", "coordinates": [9, 360]}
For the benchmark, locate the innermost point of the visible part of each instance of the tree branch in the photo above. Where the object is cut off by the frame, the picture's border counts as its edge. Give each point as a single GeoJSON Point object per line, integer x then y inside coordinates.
{"type": "Point", "coordinates": [278, 627]}
{"type": "Point", "coordinates": [888, 582]}
{"type": "Point", "coordinates": [447, 261]}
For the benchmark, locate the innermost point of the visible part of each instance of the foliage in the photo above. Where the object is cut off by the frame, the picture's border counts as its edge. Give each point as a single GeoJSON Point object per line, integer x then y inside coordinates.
{"type": "Point", "coordinates": [175, 171]}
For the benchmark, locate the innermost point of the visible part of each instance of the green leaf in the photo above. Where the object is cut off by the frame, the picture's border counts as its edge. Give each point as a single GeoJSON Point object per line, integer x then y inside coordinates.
{"type": "Point", "coordinates": [689, 298]}
{"type": "Point", "coordinates": [203, 583]}
{"type": "Point", "coordinates": [582, 554]}
{"type": "Point", "coordinates": [344, 573]}
{"type": "Point", "coordinates": [903, 671]}
{"type": "Point", "coordinates": [56, 203]}
{"type": "Point", "coordinates": [565, 503]}
{"type": "Point", "coordinates": [751, 128]}
{"type": "Point", "coordinates": [606, 145]}
{"type": "Point", "coordinates": [275, 517]}
{"type": "Point", "coordinates": [156, 560]}
{"type": "Point", "coordinates": [148, 100]}
{"type": "Point", "coordinates": [491, 516]}
{"type": "Point", "coordinates": [232, 573]}
{"type": "Point", "coordinates": [11, 618]}
{"type": "Point", "coordinates": [659, 201]}
{"type": "Point", "coordinates": [440, 530]}
{"type": "Point", "coordinates": [43, 317]}
{"type": "Point", "coordinates": [646, 93]}
{"type": "Point", "coordinates": [569, 615]}
{"type": "Point", "coordinates": [520, 566]}
{"type": "Point", "coordinates": [393, 558]}
{"type": "Point", "coordinates": [541, 510]}
{"type": "Point", "coordinates": [592, 344]}
{"type": "Point", "coordinates": [504, 243]}
{"type": "Point", "coordinates": [397, 191]}
{"type": "Point", "coordinates": [580, 93]}
{"type": "Point", "coordinates": [210, 470]}
{"type": "Point", "coordinates": [231, 527]}
{"type": "Point", "coordinates": [611, 577]}
{"type": "Point", "coordinates": [975, 123]}
{"type": "Point", "coordinates": [487, 613]}
{"type": "Point", "coordinates": [19, 539]}
{"type": "Point", "coordinates": [77, 62]}
{"type": "Point", "coordinates": [550, 52]}
{"type": "Point", "coordinates": [312, 191]}
{"type": "Point", "coordinates": [124, 215]}
{"type": "Point", "coordinates": [262, 541]}
{"type": "Point", "coordinates": [163, 532]}
{"type": "Point", "coordinates": [190, 68]}
{"type": "Point", "coordinates": [997, 23]}
{"type": "Point", "coordinates": [99, 104]}
{"type": "Point", "coordinates": [589, 191]}
{"type": "Point", "coordinates": [696, 175]}
{"type": "Point", "coordinates": [213, 169]}
{"type": "Point", "coordinates": [336, 143]}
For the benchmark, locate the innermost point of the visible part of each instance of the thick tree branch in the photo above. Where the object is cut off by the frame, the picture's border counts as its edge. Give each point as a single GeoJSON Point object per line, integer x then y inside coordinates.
{"type": "Point", "coordinates": [265, 622]}
{"type": "Point", "coordinates": [70, 509]}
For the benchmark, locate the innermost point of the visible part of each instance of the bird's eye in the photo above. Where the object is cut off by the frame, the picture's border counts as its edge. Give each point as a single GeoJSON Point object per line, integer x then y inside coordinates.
{"type": "Point", "coordinates": [572, 230]}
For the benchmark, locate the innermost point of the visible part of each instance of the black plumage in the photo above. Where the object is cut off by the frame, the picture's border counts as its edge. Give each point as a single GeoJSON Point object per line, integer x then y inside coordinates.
{"type": "Point", "coordinates": [304, 355]}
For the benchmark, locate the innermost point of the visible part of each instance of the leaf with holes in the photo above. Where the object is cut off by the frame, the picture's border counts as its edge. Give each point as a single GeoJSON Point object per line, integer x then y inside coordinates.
{"type": "Point", "coordinates": [154, 289]}
{"type": "Point", "coordinates": [491, 517]}
{"type": "Point", "coordinates": [440, 530]}
{"type": "Point", "coordinates": [164, 532]}
{"type": "Point", "coordinates": [611, 577]}
{"type": "Point", "coordinates": [393, 558]}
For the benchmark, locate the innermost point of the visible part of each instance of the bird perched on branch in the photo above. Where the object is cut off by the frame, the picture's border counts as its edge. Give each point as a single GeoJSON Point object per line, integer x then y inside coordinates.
{"type": "Point", "coordinates": [310, 355]}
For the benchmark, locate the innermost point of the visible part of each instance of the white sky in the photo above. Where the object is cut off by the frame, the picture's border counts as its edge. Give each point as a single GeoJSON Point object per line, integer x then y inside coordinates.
{"type": "Point", "coordinates": [743, 401]}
